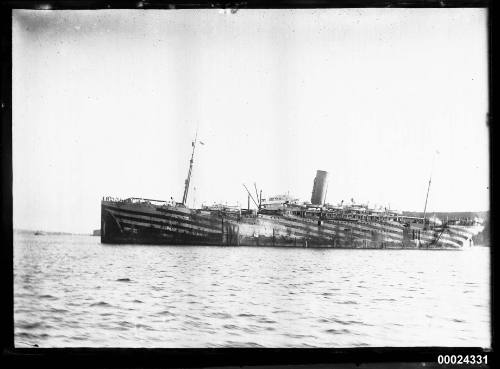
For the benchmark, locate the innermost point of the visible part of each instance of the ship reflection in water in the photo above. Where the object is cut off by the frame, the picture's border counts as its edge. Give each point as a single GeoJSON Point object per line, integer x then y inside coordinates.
{"type": "Point", "coordinates": [74, 291]}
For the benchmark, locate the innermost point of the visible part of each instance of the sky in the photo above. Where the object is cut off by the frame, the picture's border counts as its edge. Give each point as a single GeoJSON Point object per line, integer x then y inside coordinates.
{"type": "Point", "coordinates": [107, 102]}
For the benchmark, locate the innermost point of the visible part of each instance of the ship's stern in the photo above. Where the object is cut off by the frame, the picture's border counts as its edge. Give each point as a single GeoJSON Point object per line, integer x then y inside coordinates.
{"type": "Point", "coordinates": [109, 228]}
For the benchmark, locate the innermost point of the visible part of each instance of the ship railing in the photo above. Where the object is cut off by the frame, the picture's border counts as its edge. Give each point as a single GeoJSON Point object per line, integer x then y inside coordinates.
{"type": "Point", "coordinates": [139, 200]}
{"type": "Point", "coordinates": [112, 199]}
{"type": "Point", "coordinates": [153, 201]}
{"type": "Point", "coordinates": [463, 222]}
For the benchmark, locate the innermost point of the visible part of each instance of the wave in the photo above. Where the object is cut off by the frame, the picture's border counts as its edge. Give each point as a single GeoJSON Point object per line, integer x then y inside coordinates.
{"type": "Point", "coordinates": [26, 335]}
{"type": "Point", "coordinates": [24, 344]}
{"type": "Point", "coordinates": [55, 310]}
{"type": "Point", "coordinates": [100, 303]}
{"type": "Point", "coordinates": [294, 335]}
{"type": "Point", "coordinates": [221, 315]}
{"type": "Point", "coordinates": [30, 325]}
{"type": "Point", "coordinates": [126, 324]}
{"type": "Point", "coordinates": [337, 331]}
{"type": "Point", "coordinates": [24, 294]}
{"type": "Point", "coordinates": [48, 297]}
{"type": "Point", "coordinates": [21, 311]}
{"type": "Point", "coordinates": [144, 326]}
{"type": "Point", "coordinates": [246, 315]}
{"type": "Point", "coordinates": [348, 302]}
{"type": "Point", "coordinates": [343, 322]}
{"type": "Point", "coordinates": [266, 320]}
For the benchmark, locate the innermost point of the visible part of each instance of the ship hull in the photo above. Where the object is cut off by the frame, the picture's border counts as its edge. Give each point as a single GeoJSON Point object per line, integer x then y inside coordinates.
{"type": "Point", "coordinates": [124, 222]}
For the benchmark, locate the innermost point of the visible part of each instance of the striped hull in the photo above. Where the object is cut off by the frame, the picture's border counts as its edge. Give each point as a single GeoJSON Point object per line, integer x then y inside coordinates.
{"type": "Point", "coordinates": [142, 223]}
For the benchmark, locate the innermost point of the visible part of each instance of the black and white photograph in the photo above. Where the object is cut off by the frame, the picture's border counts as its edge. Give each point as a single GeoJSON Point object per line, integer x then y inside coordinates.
{"type": "Point", "coordinates": [240, 178]}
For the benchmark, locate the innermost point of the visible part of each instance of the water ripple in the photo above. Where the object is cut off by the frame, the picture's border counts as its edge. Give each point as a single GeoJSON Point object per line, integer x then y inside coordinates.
{"type": "Point", "coordinates": [73, 291]}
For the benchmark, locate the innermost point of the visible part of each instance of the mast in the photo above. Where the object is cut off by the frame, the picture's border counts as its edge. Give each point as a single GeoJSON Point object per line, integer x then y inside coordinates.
{"type": "Point", "coordinates": [426, 197]}
{"type": "Point", "coordinates": [188, 179]}
{"type": "Point", "coordinates": [429, 185]}
{"type": "Point", "coordinates": [326, 191]}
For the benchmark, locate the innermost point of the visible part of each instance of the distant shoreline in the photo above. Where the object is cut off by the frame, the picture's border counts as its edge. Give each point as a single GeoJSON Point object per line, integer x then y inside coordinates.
{"type": "Point", "coordinates": [52, 233]}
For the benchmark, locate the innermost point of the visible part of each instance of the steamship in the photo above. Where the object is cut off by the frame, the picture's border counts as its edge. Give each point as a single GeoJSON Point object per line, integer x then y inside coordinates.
{"type": "Point", "coordinates": [279, 221]}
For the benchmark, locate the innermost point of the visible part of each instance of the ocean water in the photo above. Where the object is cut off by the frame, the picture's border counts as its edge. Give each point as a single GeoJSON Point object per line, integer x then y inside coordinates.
{"type": "Point", "coordinates": [72, 291]}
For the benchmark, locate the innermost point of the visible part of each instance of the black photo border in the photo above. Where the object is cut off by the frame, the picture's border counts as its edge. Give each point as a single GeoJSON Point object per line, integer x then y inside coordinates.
{"type": "Point", "coordinates": [363, 357]}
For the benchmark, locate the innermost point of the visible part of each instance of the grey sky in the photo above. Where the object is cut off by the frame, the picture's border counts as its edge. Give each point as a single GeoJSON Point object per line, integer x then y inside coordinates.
{"type": "Point", "coordinates": [107, 102]}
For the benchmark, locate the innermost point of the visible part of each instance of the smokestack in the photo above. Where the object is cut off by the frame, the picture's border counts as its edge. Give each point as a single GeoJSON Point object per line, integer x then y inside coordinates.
{"type": "Point", "coordinates": [319, 188]}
